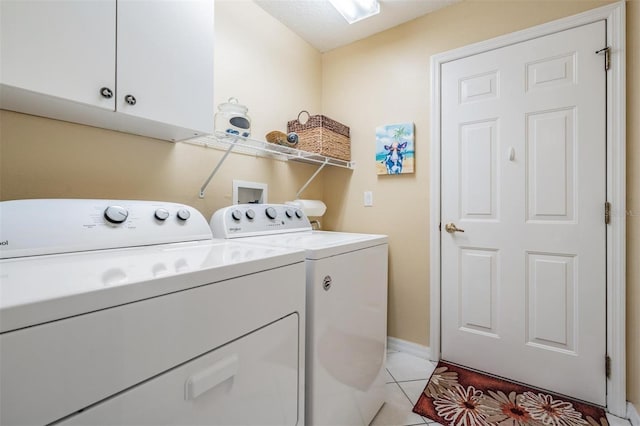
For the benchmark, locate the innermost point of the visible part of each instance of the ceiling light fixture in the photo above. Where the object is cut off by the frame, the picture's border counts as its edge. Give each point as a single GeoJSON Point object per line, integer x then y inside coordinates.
{"type": "Point", "coordinates": [356, 10]}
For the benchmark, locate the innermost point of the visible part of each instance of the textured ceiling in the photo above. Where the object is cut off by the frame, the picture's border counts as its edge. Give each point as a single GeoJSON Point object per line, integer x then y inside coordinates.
{"type": "Point", "coordinates": [322, 26]}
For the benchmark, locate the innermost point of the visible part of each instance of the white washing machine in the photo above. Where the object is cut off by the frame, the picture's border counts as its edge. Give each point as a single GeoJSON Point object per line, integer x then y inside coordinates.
{"type": "Point", "coordinates": [128, 312]}
{"type": "Point", "coordinates": [346, 283]}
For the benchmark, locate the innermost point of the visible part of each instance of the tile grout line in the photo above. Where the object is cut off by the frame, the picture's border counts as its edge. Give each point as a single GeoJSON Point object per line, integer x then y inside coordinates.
{"type": "Point", "coordinates": [412, 380]}
{"type": "Point", "coordinates": [411, 403]}
{"type": "Point", "coordinates": [394, 379]}
{"type": "Point", "coordinates": [424, 421]}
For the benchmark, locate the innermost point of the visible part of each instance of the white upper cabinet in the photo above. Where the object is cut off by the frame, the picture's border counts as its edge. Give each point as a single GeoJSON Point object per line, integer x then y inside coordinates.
{"type": "Point", "coordinates": [137, 66]}
{"type": "Point", "coordinates": [65, 49]}
{"type": "Point", "coordinates": [165, 61]}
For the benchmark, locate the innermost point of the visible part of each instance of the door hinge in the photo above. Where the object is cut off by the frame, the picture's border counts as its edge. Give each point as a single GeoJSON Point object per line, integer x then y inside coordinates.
{"type": "Point", "coordinates": [607, 57]}
{"type": "Point", "coordinates": [607, 212]}
{"type": "Point", "coordinates": [607, 365]}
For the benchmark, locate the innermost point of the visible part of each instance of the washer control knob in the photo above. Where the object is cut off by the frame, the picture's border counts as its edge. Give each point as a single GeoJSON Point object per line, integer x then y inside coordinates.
{"type": "Point", "coordinates": [116, 214]}
{"type": "Point", "coordinates": [250, 214]}
{"type": "Point", "coordinates": [236, 215]}
{"type": "Point", "coordinates": [299, 214]}
{"type": "Point", "coordinates": [183, 214]}
{"type": "Point", "coordinates": [271, 212]}
{"type": "Point", "coordinates": [289, 213]}
{"type": "Point", "coordinates": [162, 214]}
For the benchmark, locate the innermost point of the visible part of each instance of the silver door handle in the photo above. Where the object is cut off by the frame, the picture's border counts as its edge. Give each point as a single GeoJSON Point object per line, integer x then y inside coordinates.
{"type": "Point", "coordinates": [451, 228]}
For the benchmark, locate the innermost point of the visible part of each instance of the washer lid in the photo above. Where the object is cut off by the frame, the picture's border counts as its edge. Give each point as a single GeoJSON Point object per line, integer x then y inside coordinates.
{"type": "Point", "coordinates": [40, 289]}
{"type": "Point", "coordinates": [320, 244]}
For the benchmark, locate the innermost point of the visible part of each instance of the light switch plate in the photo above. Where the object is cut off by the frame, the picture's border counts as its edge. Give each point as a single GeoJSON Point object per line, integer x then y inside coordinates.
{"type": "Point", "coordinates": [368, 198]}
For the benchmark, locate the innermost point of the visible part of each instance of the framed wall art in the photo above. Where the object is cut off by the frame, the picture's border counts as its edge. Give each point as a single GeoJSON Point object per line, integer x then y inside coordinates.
{"type": "Point", "coordinates": [395, 149]}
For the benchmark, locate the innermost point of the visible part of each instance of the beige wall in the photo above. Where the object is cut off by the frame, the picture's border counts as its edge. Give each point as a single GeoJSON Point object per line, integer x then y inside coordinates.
{"type": "Point", "coordinates": [385, 79]}
{"type": "Point", "coordinates": [253, 62]}
{"type": "Point", "coordinates": [380, 80]}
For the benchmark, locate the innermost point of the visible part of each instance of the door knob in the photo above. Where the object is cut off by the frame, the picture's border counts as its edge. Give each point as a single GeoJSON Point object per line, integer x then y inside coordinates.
{"type": "Point", "coordinates": [451, 228]}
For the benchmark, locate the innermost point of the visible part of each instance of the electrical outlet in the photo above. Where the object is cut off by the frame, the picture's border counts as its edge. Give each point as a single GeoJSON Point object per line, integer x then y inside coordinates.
{"type": "Point", "coordinates": [368, 198]}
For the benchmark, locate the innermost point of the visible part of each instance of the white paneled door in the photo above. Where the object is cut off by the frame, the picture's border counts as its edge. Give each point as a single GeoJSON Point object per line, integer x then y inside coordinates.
{"type": "Point", "coordinates": [523, 181]}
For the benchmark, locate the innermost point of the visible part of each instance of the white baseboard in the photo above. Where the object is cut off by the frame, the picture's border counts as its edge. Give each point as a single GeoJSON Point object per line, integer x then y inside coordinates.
{"type": "Point", "coordinates": [632, 414]}
{"type": "Point", "coordinates": [405, 346]}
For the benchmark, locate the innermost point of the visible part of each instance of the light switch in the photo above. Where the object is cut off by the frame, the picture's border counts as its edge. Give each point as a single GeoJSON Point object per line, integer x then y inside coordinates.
{"type": "Point", "coordinates": [368, 198]}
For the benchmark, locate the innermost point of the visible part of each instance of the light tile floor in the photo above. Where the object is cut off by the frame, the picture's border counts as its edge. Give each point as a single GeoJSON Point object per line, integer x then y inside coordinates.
{"type": "Point", "coordinates": [407, 376]}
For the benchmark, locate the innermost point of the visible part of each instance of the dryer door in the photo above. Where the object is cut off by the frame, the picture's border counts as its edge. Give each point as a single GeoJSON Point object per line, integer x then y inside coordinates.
{"type": "Point", "coordinates": [250, 381]}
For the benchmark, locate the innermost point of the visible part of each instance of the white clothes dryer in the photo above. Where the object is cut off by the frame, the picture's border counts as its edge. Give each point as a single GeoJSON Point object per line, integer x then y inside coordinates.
{"type": "Point", "coordinates": [127, 312]}
{"type": "Point", "coordinates": [346, 282]}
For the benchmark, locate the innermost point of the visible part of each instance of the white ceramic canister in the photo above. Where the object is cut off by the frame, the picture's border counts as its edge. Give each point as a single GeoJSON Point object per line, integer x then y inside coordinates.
{"type": "Point", "coordinates": [232, 118]}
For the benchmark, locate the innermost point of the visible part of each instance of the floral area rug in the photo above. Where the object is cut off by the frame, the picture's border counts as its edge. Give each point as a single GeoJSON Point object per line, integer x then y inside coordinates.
{"type": "Point", "coordinates": [459, 397]}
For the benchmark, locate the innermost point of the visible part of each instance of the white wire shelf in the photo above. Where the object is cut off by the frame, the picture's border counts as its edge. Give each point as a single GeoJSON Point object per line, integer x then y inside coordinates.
{"type": "Point", "coordinates": [261, 148]}
{"type": "Point", "coordinates": [239, 144]}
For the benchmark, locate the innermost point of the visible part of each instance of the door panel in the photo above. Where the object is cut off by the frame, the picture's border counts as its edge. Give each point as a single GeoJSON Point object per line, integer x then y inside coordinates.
{"type": "Point", "coordinates": [478, 291]}
{"type": "Point", "coordinates": [549, 72]}
{"type": "Point", "coordinates": [523, 174]}
{"type": "Point", "coordinates": [551, 161]}
{"type": "Point", "coordinates": [550, 301]}
{"type": "Point", "coordinates": [477, 154]}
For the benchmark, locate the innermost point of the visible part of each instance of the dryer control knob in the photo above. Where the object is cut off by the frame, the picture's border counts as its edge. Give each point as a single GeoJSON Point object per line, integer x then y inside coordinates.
{"type": "Point", "coordinates": [236, 215]}
{"type": "Point", "coordinates": [116, 214]}
{"type": "Point", "coordinates": [271, 212]}
{"type": "Point", "coordinates": [250, 214]}
{"type": "Point", "coordinates": [183, 214]}
{"type": "Point", "coordinates": [289, 213]}
{"type": "Point", "coordinates": [299, 214]}
{"type": "Point", "coordinates": [161, 214]}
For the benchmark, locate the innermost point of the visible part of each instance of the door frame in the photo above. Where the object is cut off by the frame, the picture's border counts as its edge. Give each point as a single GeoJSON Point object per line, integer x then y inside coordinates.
{"type": "Point", "coordinates": [614, 14]}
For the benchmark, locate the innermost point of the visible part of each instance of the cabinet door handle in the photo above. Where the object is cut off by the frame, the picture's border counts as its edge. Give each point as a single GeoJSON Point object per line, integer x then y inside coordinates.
{"type": "Point", "coordinates": [130, 99]}
{"type": "Point", "coordinates": [106, 92]}
{"type": "Point", "coordinates": [211, 377]}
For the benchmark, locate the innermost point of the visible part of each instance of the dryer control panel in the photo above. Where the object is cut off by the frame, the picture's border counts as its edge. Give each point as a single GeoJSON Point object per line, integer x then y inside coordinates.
{"type": "Point", "coordinates": [248, 220]}
{"type": "Point", "coordinates": [48, 226]}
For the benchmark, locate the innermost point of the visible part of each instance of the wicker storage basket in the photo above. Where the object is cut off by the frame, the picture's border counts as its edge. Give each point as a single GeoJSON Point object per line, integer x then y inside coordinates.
{"type": "Point", "coordinates": [322, 135]}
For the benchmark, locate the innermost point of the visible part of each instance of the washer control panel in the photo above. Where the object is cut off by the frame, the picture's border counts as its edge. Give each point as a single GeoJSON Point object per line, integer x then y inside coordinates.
{"type": "Point", "coordinates": [248, 220]}
{"type": "Point", "coordinates": [48, 226]}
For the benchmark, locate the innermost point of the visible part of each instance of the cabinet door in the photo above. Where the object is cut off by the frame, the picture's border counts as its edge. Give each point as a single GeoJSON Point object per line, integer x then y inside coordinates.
{"type": "Point", "coordinates": [165, 61]}
{"type": "Point", "coordinates": [64, 49]}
